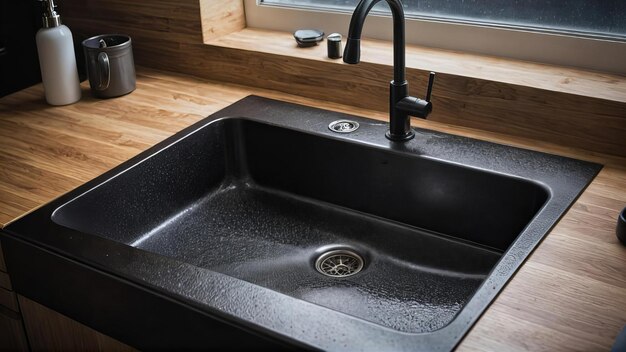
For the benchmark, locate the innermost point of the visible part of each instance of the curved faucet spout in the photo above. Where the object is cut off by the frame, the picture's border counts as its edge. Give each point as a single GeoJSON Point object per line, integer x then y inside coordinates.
{"type": "Point", "coordinates": [352, 51]}
{"type": "Point", "coordinates": [401, 105]}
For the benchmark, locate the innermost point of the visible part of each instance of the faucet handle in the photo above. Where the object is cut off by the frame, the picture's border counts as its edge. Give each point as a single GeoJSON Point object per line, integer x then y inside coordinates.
{"type": "Point", "coordinates": [431, 81]}
{"type": "Point", "coordinates": [415, 106]}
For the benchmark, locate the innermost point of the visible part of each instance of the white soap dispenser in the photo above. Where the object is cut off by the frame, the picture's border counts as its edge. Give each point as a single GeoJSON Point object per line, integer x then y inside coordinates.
{"type": "Point", "coordinates": [55, 46]}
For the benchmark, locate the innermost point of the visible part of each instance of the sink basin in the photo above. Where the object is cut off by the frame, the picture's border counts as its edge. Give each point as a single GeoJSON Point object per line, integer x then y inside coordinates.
{"type": "Point", "coordinates": [258, 202]}
{"type": "Point", "coordinates": [405, 243]}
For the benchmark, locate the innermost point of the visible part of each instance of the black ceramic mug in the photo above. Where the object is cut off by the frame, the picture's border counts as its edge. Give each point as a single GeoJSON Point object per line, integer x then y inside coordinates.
{"type": "Point", "coordinates": [110, 65]}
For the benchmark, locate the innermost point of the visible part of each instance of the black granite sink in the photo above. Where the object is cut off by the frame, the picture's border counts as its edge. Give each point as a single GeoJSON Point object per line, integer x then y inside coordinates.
{"type": "Point", "coordinates": [257, 192]}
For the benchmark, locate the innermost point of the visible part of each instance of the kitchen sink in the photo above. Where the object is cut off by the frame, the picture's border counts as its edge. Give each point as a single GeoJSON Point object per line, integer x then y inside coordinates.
{"type": "Point", "coordinates": [259, 201]}
{"type": "Point", "coordinates": [341, 240]}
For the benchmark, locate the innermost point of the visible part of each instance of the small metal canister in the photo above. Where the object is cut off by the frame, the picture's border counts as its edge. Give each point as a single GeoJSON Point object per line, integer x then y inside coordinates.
{"type": "Point", "coordinates": [334, 46]}
{"type": "Point", "coordinates": [110, 65]}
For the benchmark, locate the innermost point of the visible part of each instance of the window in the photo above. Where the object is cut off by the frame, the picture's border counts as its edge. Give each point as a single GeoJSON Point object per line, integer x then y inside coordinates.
{"type": "Point", "coordinates": [584, 33]}
{"type": "Point", "coordinates": [599, 18]}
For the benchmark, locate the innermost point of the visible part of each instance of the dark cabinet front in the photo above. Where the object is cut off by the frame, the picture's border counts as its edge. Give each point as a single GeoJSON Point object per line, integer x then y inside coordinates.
{"type": "Point", "coordinates": [19, 65]}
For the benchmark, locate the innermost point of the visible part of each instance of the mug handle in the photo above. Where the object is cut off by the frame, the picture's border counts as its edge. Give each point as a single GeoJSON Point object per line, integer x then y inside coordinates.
{"type": "Point", "coordinates": [104, 70]}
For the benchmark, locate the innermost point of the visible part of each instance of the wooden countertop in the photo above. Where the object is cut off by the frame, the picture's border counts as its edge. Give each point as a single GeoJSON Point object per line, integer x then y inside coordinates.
{"type": "Point", "coordinates": [569, 295]}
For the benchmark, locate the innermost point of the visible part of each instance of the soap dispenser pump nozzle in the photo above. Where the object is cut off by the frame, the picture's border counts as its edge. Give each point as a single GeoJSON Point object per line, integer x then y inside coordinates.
{"type": "Point", "coordinates": [50, 17]}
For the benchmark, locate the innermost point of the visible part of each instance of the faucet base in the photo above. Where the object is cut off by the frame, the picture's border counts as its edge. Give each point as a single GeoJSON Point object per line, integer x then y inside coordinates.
{"type": "Point", "coordinates": [400, 138]}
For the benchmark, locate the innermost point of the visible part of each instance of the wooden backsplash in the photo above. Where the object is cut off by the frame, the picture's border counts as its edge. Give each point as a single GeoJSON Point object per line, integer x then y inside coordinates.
{"type": "Point", "coordinates": [168, 35]}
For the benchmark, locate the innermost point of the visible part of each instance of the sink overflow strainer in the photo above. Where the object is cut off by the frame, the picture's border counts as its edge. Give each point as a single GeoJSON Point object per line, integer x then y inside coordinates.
{"type": "Point", "coordinates": [343, 126]}
{"type": "Point", "coordinates": [339, 263]}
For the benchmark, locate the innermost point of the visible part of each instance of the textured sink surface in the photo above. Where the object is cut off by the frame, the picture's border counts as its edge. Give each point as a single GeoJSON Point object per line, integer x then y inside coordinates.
{"type": "Point", "coordinates": [258, 191]}
{"type": "Point", "coordinates": [257, 202]}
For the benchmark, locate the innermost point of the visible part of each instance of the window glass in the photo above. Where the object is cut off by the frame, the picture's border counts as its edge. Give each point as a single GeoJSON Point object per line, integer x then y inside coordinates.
{"type": "Point", "coordinates": [602, 18]}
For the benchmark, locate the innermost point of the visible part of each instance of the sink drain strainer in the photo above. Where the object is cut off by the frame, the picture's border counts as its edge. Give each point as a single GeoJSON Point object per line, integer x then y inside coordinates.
{"type": "Point", "coordinates": [339, 263]}
{"type": "Point", "coordinates": [343, 126]}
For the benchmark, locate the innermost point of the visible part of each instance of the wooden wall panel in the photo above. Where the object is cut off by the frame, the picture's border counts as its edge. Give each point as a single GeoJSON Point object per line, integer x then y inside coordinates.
{"type": "Point", "coordinates": [221, 17]}
{"type": "Point", "coordinates": [153, 21]}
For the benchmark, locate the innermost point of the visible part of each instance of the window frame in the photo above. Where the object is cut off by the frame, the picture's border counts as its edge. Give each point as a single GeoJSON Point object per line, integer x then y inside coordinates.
{"type": "Point", "coordinates": [543, 46]}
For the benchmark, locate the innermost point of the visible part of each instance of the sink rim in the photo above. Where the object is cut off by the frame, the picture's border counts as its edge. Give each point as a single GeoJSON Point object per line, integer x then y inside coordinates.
{"type": "Point", "coordinates": [359, 334]}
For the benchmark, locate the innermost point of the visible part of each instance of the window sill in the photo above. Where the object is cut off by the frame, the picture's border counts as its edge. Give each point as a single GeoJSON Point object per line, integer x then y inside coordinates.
{"type": "Point", "coordinates": [591, 84]}
{"type": "Point", "coordinates": [570, 107]}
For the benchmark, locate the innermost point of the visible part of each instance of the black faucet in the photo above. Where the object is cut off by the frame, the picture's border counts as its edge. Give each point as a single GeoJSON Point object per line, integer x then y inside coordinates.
{"type": "Point", "coordinates": [401, 105]}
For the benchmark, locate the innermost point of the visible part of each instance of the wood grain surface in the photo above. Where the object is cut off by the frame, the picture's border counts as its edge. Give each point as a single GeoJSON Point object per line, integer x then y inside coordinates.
{"type": "Point", "coordinates": [8, 299]}
{"type": "Point", "coordinates": [3, 266]}
{"type": "Point", "coordinates": [48, 330]}
{"type": "Point", "coordinates": [219, 18]}
{"type": "Point", "coordinates": [570, 295]}
{"type": "Point", "coordinates": [518, 98]}
{"type": "Point", "coordinates": [5, 281]}
{"type": "Point", "coordinates": [12, 336]}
